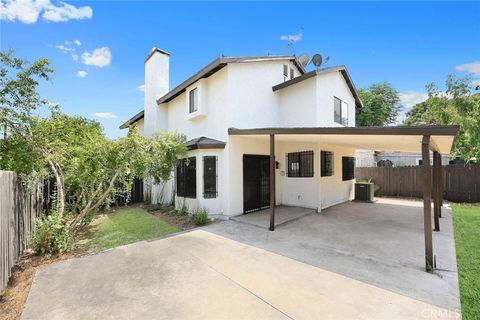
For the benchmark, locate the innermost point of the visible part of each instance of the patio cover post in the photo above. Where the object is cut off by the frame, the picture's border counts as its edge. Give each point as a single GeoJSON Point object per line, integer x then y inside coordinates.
{"type": "Point", "coordinates": [272, 182]}
{"type": "Point", "coordinates": [440, 185]}
{"type": "Point", "coordinates": [427, 205]}
{"type": "Point", "coordinates": [435, 191]}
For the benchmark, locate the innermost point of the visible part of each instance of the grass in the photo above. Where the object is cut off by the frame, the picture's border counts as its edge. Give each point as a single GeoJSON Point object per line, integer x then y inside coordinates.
{"type": "Point", "coordinates": [466, 222]}
{"type": "Point", "coordinates": [127, 226]}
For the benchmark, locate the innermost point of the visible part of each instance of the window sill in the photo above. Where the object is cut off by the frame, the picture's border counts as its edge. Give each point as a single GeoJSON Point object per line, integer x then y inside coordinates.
{"type": "Point", "coordinates": [195, 115]}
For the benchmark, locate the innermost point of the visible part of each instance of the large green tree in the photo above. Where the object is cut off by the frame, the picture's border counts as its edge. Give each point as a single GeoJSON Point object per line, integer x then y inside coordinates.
{"type": "Point", "coordinates": [89, 169]}
{"type": "Point", "coordinates": [457, 104]}
{"type": "Point", "coordinates": [381, 105]}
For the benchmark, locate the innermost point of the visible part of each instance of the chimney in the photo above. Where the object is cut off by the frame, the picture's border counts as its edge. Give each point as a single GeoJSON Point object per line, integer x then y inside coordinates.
{"type": "Point", "coordinates": [157, 67]}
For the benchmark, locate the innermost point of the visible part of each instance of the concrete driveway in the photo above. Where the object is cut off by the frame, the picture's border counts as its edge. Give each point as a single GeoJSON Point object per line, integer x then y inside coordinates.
{"type": "Point", "coordinates": [378, 243]}
{"type": "Point", "coordinates": [201, 275]}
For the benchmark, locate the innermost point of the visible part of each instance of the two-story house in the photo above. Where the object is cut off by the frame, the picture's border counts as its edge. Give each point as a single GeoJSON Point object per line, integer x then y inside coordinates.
{"type": "Point", "coordinates": [237, 111]}
{"type": "Point", "coordinates": [230, 175]}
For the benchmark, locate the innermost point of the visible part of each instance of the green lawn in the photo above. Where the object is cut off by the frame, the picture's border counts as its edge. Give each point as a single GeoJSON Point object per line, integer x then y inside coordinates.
{"type": "Point", "coordinates": [127, 226]}
{"type": "Point", "coordinates": [466, 221]}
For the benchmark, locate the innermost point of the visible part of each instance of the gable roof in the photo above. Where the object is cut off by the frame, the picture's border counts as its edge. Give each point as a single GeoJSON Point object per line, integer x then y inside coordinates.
{"type": "Point", "coordinates": [342, 69]}
{"type": "Point", "coordinates": [218, 64]}
{"type": "Point", "coordinates": [206, 72]}
{"type": "Point", "coordinates": [205, 143]}
{"type": "Point", "coordinates": [132, 120]}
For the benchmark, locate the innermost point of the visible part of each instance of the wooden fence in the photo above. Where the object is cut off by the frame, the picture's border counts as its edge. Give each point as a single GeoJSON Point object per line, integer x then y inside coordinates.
{"type": "Point", "coordinates": [461, 183]}
{"type": "Point", "coordinates": [19, 209]}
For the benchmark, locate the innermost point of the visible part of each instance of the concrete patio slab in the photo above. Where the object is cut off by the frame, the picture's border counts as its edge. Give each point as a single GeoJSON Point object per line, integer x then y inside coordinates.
{"type": "Point", "coordinates": [283, 215]}
{"type": "Point", "coordinates": [200, 275]}
{"type": "Point", "coordinates": [379, 243]}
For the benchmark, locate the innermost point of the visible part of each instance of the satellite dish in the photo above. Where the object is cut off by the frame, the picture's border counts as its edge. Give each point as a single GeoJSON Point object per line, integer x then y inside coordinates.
{"type": "Point", "coordinates": [317, 60]}
{"type": "Point", "coordinates": [304, 59]}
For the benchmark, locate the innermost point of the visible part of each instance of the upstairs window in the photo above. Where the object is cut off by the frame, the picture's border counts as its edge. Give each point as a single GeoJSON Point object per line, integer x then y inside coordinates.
{"type": "Point", "coordinates": [326, 159]}
{"type": "Point", "coordinates": [292, 75]}
{"type": "Point", "coordinates": [210, 177]}
{"type": "Point", "coordinates": [285, 72]}
{"type": "Point", "coordinates": [193, 100]}
{"type": "Point", "coordinates": [300, 164]}
{"type": "Point", "coordinates": [340, 111]}
{"type": "Point", "coordinates": [348, 168]}
{"type": "Point", "coordinates": [187, 178]}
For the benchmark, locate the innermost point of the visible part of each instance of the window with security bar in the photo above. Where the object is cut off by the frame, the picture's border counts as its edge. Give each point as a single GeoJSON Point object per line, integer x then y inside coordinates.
{"type": "Point", "coordinates": [187, 178]}
{"type": "Point", "coordinates": [326, 163]}
{"type": "Point", "coordinates": [300, 164]}
{"type": "Point", "coordinates": [210, 177]}
{"type": "Point", "coordinates": [348, 168]}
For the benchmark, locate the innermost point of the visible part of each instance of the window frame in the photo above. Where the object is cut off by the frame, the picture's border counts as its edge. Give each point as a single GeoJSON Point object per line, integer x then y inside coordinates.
{"type": "Point", "coordinates": [186, 178]}
{"type": "Point", "coordinates": [193, 104]}
{"type": "Point", "coordinates": [343, 116]}
{"type": "Point", "coordinates": [305, 164]}
{"type": "Point", "coordinates": [348, 168]}
{"type": "Point", "coordinates": [210, 194]}
{"type": "Point", "coordinates": [324, 156]}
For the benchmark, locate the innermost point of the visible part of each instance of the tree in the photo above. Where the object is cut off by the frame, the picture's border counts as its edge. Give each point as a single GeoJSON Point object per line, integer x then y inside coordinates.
{"type": "Point", "coordinates": [381, 105]}
{"type": "Point", "coordinates": [457, 105]}
{"type": "Point", "coordinates": [89, 169]}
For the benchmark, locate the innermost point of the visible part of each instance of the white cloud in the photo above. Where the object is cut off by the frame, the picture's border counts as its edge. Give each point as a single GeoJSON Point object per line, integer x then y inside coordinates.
{"type": "Point", "coordinates": [77, 42]}
{"type": "Point", "coordinates": [28, 11]}
{"type": "Point", "coordinates": [105, 115]}
{"type": "Point", "coordinates": [141, 88]}
{"type": "Point", "coordinates": [292, 37]}
{"type": "Point", "coordinates": [82, 74]}
{"type": "Point", "coordinates": [408, 99]}
{"type": "Point", "coordinates": [100, 57]}
{"type": "Point", "coordinates": [473, 67]}
{"type": "Point", "coordinates": [64, 48]}
{"type": "Point", "coordinates": [75, 57]}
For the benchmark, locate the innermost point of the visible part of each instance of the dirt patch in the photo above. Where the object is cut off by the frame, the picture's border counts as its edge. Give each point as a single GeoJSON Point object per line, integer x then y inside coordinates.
{"type": "Point", "coordinates": [15, 295]}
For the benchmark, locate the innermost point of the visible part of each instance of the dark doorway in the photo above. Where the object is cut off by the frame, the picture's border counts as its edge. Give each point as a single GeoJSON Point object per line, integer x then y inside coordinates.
{"type": "Point", "coordinates": [256, 183]}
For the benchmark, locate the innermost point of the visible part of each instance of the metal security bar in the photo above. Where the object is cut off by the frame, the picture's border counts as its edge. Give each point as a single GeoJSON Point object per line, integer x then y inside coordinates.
{"type": "Point", "coordinates": [187, 178]}
{"type": "Point", "coordinates": [348, 168]}
{"type": "Point", "coordinates": [300, 164]}
{"type": "Point", "coordinates": [210, 177]}
{"type": "Point", "coordinates": [326, 163]}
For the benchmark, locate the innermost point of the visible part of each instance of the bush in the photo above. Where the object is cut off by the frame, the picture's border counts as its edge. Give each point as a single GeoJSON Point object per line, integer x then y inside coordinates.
{"type": "Point", "coordinates": [200, 217]}
{"type": "Point", "coordinates": [52, 235]}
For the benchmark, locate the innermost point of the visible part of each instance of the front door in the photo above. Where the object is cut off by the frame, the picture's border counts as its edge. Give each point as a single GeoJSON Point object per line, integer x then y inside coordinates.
{"type": "Point", "coordinates": [256, 182]}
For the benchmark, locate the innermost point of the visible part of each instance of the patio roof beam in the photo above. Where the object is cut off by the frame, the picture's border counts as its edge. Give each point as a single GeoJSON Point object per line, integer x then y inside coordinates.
{"type": "Point", "coordinates": [427, 205]}
{"type": "Point", "coordinates": [272, 182]}
{"type": "Point", "coordinates": [445, 130]}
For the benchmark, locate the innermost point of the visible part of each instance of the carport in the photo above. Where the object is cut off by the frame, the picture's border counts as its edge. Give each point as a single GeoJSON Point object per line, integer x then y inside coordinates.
{"type": "Point", "coordinates": [424, 139]}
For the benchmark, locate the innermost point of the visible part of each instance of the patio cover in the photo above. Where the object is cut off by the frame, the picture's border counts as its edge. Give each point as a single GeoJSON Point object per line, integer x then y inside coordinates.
{"type": "Point", "coordinates": [423, 139]}
{"type": "Point", "coordinates": [398, 138]}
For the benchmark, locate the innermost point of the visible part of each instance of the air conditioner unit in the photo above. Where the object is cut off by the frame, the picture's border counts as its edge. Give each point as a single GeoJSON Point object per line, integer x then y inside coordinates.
{"type": "Point", "coordinates": [364, 191]}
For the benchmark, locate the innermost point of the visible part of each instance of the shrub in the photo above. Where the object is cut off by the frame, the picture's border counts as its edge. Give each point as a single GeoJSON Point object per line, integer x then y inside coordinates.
{"type": "Point", "coordinates": [52, 235]}
{"type": "Point", "coordinates": [200, 216]}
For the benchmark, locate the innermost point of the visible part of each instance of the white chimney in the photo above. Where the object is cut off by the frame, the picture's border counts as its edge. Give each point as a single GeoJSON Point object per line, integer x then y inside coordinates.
{"type": "Point", "coordinates": [157, 67]}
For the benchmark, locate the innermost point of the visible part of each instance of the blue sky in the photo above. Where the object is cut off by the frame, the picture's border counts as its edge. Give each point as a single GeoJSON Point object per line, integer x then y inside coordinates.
{"type": "Point", "coordinates": [408, 44]}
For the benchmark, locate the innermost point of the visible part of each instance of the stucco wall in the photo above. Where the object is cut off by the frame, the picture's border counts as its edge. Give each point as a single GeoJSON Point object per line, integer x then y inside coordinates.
{"type": "Point", "coordinates": [330, 85]}
{"type": "Point", "coordinates": [215, 97]}
{"type": "Point", "coordinates": [297, 104]}
{"type": "Point", "coordinates": [252, 103]}
{"type": "Point", "coordinates": [332, 189]}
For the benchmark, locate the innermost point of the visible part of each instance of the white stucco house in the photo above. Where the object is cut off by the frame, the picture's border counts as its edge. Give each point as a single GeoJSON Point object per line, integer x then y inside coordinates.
{"type": "Point", "coordinates": [232, 109]}
{"type": "Point", "coordinates": [231, 173]}
{"type": "Point", "coordinates": [263, 132]}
